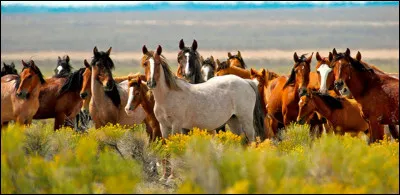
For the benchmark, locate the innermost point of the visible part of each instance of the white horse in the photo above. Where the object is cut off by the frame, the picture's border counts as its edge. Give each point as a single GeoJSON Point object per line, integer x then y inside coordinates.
{"type": "Point", "coordinates": [179, 104]}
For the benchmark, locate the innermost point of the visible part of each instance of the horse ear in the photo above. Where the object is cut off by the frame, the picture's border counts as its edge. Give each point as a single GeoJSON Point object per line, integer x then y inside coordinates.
{"type": "Point", "coordinates": [295, 57]}
{"type": "Point", "coordinates": [310, 58]}
{"type": "Point", "coordinates": [139, 80]}
{"type": "Point", "coordinates": [212, 59]}
{"type": "Point", "coordinates": [144, 50]}
{"type": "Point", "coordinates": [25, 64]}
{"type": "Point", "coordinates": [252, 71]}
{"type": "Point", "coordinates": [67, 59]}
{"type": "Point", "coordinates": [318, 57]}
{"type": "Point", "coordinates": [181, 44]}
{"type": "Point", "coordinates": [239, 55]}
{"type": "Point", "coordinates": [201, 59]}
{"type": "Point", "coordinates": [218, 62]}
{"type": "Point", "coordinates": [334, 52]}
{"type": "Point", "coordinates": [95, 51]}
{"type": "Point", "coordinates": [330, 56]}
{"type": "Point", "coordinates": [194, 45]}
{"type": "Point", "coordinates": [358, 56]}
{"type": "Point", "coordinates": [4, 64]}
{"type": "Point", "coordinates": [159, 50]}
{"type": "Point", "coordinates": [87, 65]}
{"type": "Point", "coordinates": [109, 51]}
{"type": "Point", "coordinates": [263, 72]}
{"type": "Point", "coordinates": [59, 59]}
{"type": "Point", "coordinates": [347, 52]}
{"type": "Point", "coordinates": [229, 54]}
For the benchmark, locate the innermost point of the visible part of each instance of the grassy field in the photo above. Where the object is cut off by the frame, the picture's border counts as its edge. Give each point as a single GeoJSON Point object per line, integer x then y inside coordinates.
{"type": "Point", "coordinates": [114, 159]}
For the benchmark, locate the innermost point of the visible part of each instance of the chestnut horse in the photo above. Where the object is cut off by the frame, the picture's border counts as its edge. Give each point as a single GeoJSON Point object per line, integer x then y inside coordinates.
{"type": "Point", "coordinates": [377, 92]}
{"type": "Point", "coordinates": [344, 114]}
{"type": "Point", "coordinates": [189, 65]}
{"type": "Point", "coordinates": [236, 60]}
{"type": "Point", "coordinates": [282, 105]}
{"type": "Point", "coordinates": [226, 68]}
{"type": "Point", "coordinates": [264, 77]}
{"type": "Point", "coordinates": [20, 94]}
{"type": "Point", "coordinates": [8, 69]}
{"type": "Point", "coordinates": [139, 94]}
{"type": "Point", "coordinates": [207, 68]}
{"type": "Point", "coordinates": [108, 98]}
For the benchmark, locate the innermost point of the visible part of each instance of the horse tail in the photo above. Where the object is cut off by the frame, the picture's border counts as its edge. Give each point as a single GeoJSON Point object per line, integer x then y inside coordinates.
{"type": "Point", "coordinates": [258, 113]}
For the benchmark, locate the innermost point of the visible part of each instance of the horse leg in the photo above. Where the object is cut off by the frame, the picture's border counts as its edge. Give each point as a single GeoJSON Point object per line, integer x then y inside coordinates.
{"type": "Point", "coordinates": [268, 130]}
{"type": "Point", "coordinates": [149, 130]}
{"type": "Point", "coordinates": [59, 120]}
{"type": "Point", "coordinates": [376, 131]}
{"type": "Point", "coordinates": [165, 131]}
{"type": "Point", "coordinates": [222, 128]}
{"type": "Point", "coordinates": [393, 130]}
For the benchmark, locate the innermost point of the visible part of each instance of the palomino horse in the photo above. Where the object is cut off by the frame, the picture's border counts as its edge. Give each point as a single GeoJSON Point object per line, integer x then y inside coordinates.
{"type": "Point", "coordinates": [207, 68]}
{"type": "Point", "coordinates": [179, 104]}
{"type": "Point", "coordinates": [376, 91]}
{"type": "Point", "coordinates": [108, 98]}
{"type": "Point", "coordinates": [189, 65]}
{"type": "Point", "coordinates": [226, 68]}
{"type": "Point", "coordinates": [8, 69]}
{"type": "Point", "coordinates": [282, 105]}
{"type": "Point", "coordinates": [139, 94]}
{"type": "Point", "coordinates": [344, 114]}
{"type": "Point", "coordinates": [264, 77]}
{"type": "Point", "coordinates": [236, 60]}
{"type": "Point", "coordinates": [63, 68]}
{"type": "Point", "coordinates": [20, 94]}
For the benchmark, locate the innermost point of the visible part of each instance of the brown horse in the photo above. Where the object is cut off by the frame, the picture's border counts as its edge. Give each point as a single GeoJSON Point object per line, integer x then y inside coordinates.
{"type": "Point", "coordinates": [376, 91]}
{"type": "Point", "coordinates": [344, 114]}
{"type": "Point", "coordinates": [20, 94]}
{"type": "Point", "coordinates": [108, 98]}
{"type": "Point", "coordinates": [139, 94]}
{"type": "Point", "coordinates": [225, 68]}
{"type": "Point", "coordinates": [264, 77]}
{"type": "Point", "coordinates": [282, 105]}
{"type": "Point", "coordinates": [236, 60]}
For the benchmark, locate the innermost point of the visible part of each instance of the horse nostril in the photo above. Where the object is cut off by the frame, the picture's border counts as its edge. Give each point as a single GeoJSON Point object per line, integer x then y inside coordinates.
{"type": "Point", "coordinates": [84, 95]}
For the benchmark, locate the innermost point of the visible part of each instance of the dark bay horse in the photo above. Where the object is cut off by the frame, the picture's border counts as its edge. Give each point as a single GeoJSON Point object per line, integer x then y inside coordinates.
{"type": "Point", "coordinates": [376, 91]}
{"type": "Point", "coordinates": [189, 65]}
{"type": "Point", "coordinates": [108, 98]}
{"type": "Point", "coordinates": [63, 68]}
{"type": "Point", "coordinates": [8, 69]}
{"type": "Point", "coordinates": [20, 94]}
{"type": "Point", "coordinates": [207, 67]}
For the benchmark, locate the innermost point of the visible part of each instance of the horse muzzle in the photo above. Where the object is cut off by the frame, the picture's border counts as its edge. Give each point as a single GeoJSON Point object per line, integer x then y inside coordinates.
{"type": "Point", "coordinates": [151, 84]}
{"type": "Point", "coordinates": [302, 91]}
{"type": "Point", "coordinates": [339, 84]}
{"type": "Point", "coordinates": [23, 95]}
{"type": "Point", "coordinates": [84, 95]}
{"type": "Point", "coordinates": [301, 120]}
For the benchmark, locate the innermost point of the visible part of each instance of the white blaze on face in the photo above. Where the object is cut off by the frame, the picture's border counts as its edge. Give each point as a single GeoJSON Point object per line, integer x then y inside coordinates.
{"type": "Point", "coordinates": [187, 72]}
{"type": "Point", "coordinates": [59, 68]}
{"type": "Point", "coordinates": [151, 68]}
{"type": "Point", "coordinates": [324, 71]}
{"type": "Point", "coordinates": [130, 99]}
{"type": "Point", "coordinates": [206, 71]}
{"type": "Point", "coordinates": [301, 101]}
{"type": "Point", "coordinates": [256, 81]}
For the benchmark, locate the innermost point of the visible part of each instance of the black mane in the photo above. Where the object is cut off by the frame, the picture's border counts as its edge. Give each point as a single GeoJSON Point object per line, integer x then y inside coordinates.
{"type": "Point", "coordinates": [74, 82]}
{"type": "Point", "coordinates": [114, 95]}
{"type": "Point", "coordinates": [331, 102]}
{"type": "Point", "coordinates": [292, 76]}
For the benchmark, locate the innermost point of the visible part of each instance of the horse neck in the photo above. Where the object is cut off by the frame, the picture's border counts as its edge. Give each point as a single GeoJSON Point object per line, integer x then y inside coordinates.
{"type": "Point", "coordinates": [322, 108]}
{"type": "Point", "coordinates": [240, 72]}
{"type": "Point", "coordinates": [96, 88]}
{"type": "Point", "coordinates": [147, 102]}
{"type": "Point", "coordinates": [358, 83]}
{"type": "Point", "coordinates": [198, 76]}
{"type": "Point", "coordinates": [161, 90]}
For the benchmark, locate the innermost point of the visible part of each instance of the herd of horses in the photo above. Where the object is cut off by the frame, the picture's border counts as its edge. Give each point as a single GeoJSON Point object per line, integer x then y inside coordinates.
{"type": "Point", "coordinates": [345, 94]}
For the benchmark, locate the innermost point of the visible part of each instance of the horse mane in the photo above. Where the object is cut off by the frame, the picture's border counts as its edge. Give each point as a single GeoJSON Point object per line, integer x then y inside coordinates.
{"type": "Point", "coordinates": [36, 70]}
{"type": "Point", "coordinates": [240, 60]}
{"type": "Point", "coordinates": [114, 95]}
{"type": "Point", "coordinates": [331, 102]}
{"type": "Point", "coordinates": [74, 82]}
{"type": "Point", "coordinates": [292, 77]}
{"type": "Point", "coordinates": [208, 61]}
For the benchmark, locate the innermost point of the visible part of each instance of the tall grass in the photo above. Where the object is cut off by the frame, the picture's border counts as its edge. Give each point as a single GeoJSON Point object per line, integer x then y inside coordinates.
{"type": "Point", "coordinates": [116, 159]}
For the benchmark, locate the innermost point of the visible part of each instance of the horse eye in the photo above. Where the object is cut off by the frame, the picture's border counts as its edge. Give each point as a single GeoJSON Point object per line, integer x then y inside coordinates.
{"type": "Point", "coordinates": [318, 71]}
{"type": "Point", "coordinates": [30, 76]}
